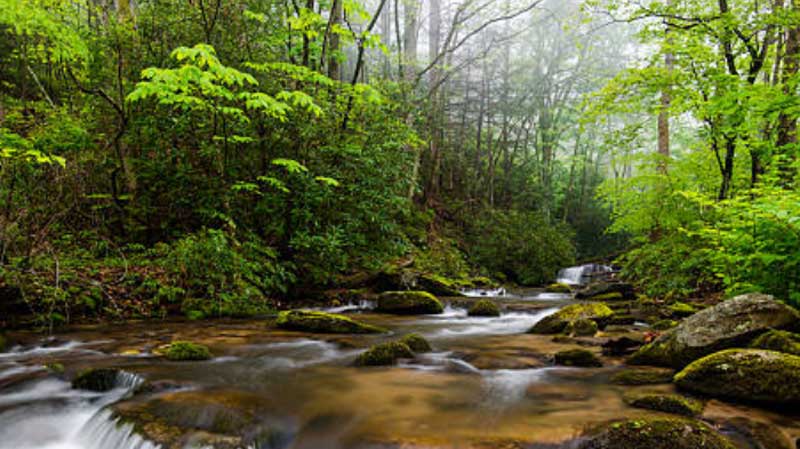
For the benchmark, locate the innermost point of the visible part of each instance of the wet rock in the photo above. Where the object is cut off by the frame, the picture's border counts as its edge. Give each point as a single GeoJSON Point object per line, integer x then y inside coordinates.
{"type": "Point", "coordinates": [323, 323]}
{"type": "Point", "coordinates": [581, 328]}
{"type": "Point", "coordinates": [665, 325]}
{"type": "Point", "coordinates": [485, 308]}
{"type": "Point", "coordinates": [750, 375]}
{"type": "Point", "coordinates": [97, 379]}
{"type": "Point", "coordinates": [667, 403]}
{"type": "Point", "coordinates": [681, 309]}
{"type": "Point", "coordinates": [606, 291]}
{"type": "Point", "coordinates": [409, 303]}
{"type": "Point", "coordinates": [643, 376]}
{"type": "Point", "coordinates": [439, 285]}
{"type": "Point", "coordinates": [621, 319]}
{"type": "Point", "coordinates": [384, 354]}
{"type": "Point", "coordinates": [621, 346]}
{"type": "Point", "coordinates": [558, 288]}
{"type": "Point", "coordinates": [780, 341]}
{"type": "Point", "coordinates": [557, 322]}
{"type": "Point", "coordinates": [732, 323]}
{"type": "Point", "coordinates": [760, 435]}
{"type": "Point", "coordinates": [416, 342]}
{"type": "Point", "coordinates": [578, 358]}
{"type": "Point", "coordinates": [657, 433]}
{"type": "Point", "coordinates": [180, 351]}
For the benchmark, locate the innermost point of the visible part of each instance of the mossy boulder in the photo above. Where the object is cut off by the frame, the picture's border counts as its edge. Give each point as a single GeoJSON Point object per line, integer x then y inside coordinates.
{"type": "Point", "coordinates": [681, 309]}
{"type": "Point", "coordinates": [180, 351]}
{"type": "Point", "coordinates": [558, 288]}
{"type": "Point", "coordinates": [384, 354]}
{"type": "Point", "coordinates": [643, 376]}
{"type": "Point", "coordinates": [439, 285]}
{"type": "Point", "coordinates": [417, 343]}
{"type": "Point", "coordinates": [750, 375]}
{"type": "Point", "coordinates": [484, 307]}
{"type": "Point", "coordinates": [657, 433]}
{"type": "Point", "coordinates": [780, 341]}
{"type": "Point", "coordinates": [730, 324]}
{"type": "Point", "coordinates": [323, 323]}
{"type": "Point", "coordinates": [578, 358]}
{"type": "Point", "coordinates": [409, 303]}
{"type": "Point", "coordinates": [97, 379]}
{"type": "Point", "coordinates": [558, 322]}
{"type": "Point", "coordinates": [581, 328]}
{"type": "Point", "coordinates": [665, 325]}
{"type": "Point", "coordinates": [597, 291]}
{"type": "Point", "coordinates": [667, 403]}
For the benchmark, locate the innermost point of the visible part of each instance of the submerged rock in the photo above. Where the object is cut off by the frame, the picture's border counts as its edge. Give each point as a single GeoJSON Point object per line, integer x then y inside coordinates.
{"type": "Point", "coordinates": [606, 291]}
{"type": "Point", "coordinates": [323, 323]}
{"type": "Point", "coordinates": [579, 358]}
{"type": "Point", "coordinates": [416, 342]}
{"type": "Point", "coordinates": [409, 303]}
{"type": "Point", "coordinates": [558, 322]}
{"type": "Point", "coordinates": [180, 351]}
{"type": "Point", "coordinates": [384, 354]}
{"type": "Point", "coordinates": [751, 375]}
{"type": "Point", "coordinates": [97, 379]}
{"type": "Point", "coordinates": [732, 323]}
{"type": "Point", "coordinates": [667, 403]}
{"type": "Point", "coordinates": [624, 345]}
{"type": "Point", "coordinates": [657, 433]}
{"type": "Point", "coordinates": [484, 307]}
{"type": "Point", "coordinates": [581, 328]}
{"type": "Point", "coordinates": [643, 376]}
{"type": "Point", "coordinates": [780, 341]}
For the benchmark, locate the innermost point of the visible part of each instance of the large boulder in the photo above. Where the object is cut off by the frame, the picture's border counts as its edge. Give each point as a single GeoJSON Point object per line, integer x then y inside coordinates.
{"type": "Point", "coordinates": [606, 291]}
{"type": "Point", "coordinates": [484, 308]}
{"type": "Point", "coordinates": [780, 341]}
{"type": "Point", "coordinates": [657, 433]}
{"type": "Point", "coordinates": [409, 303]}
{"type": "Point", "coordinates": [732, 323]}
{"type": "Point", "coordinates": [752, 375]}
{"type": "Point", "coordinates": [323, 323]}
{"type": "Point", "coordinates": [558, 322]}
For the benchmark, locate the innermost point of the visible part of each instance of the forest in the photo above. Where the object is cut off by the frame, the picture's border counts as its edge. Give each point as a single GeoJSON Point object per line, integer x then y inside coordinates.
{"type": "Point", "coordinates": [517, 184]}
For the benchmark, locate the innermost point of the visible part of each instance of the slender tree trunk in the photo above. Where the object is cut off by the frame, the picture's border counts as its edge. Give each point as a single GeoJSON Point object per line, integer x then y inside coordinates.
{"type": "Point", "coordinates": [787, 123]}
{"type": "Point", "coordinates": [336, 19]}
{"type": "Point", "coordinates": [666, 101]}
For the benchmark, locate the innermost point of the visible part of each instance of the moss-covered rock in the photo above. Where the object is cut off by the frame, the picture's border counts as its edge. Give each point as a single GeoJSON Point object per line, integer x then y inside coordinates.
{"type": "Point", "coordinates": [667, 403]}
{"type": "Point", "coordinates": [681, 309]}
{"type": "Point", "coordinates": [609, 290]}
{"type": "Point", "coordinates": [558, 322]}
{"type": "Point", "coordinates": [643, 376]}
{"type": "Point", "coordinates": [55, 368]}
{"type": "Point", "coordinates": [657, 433]}
{"type": "Point", "coordinates": [665, 325]}
{"type": "Point", "coordinates": [409, 303]}
{"type": "Point", "coordinates": [180, 351]}
{"type": "Point", "coordinates": [581, 328]}
{"type": "Point", "coordinates": [439, 285]}
{"type": "Point", "coordinates": [752, 375]}
{"type": "Point", "coordinates": [384, 354]}
{"type": "Point", "coordinates": [558, 288]}
{"type": "Point", "coordinates": [611, 296]}
{"type": "Point", "coordinates": [484, 307]}
{"type": "Point", "coordinates": [624, 345]}
{"type": "Point", "coordinates": [579, 358]}
{"type": "Point", "coordinates": [780, 341]}
{"type": "Point", "coordinates": [417, 343]}
{"type": "Point", "coordinates": [97, 379]}
{"type": "Point", "coordinates": [732, 323]}
{"type": "Point", "coordinates": [323, 323]}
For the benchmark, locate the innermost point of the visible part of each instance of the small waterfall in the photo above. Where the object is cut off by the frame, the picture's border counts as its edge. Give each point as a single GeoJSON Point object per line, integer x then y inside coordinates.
{"type": "Point", "coordinates": [582, 274]}
{"type": "Point", "coordinates": [103, 431]}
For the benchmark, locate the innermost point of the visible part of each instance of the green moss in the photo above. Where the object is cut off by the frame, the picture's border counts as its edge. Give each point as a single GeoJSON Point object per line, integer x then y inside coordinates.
{"type": "Point", "coordinates": [323, 323]}
{"type": "Point", "coordinates": [409, 303]}
{"type": "Point", "coordinates": [416, 342]}
{"type": "Point", "coordinates": [55, 368]}
{"type": "Point", "coordinates": [752, 375]}
{"type": "Point", "coordinates": [581, 328]}
{"type": "Point", "coordinates": [484, 307]}
{"type": "Point", "coordinates": [657, 433]}
{"type": "Point", "coordinates": [611, 296]}
{"type": "Point", "coordinates": [440, 285]}
{"type": "Point", "coordinates": [97, 379]}
{"type": "Point", "coordinates": [557, 322]}
{"type": "Point", "coordinates": [558, 288]}
{"type": "Point", "coordinates": [667, 403]}
{"type": "Point", "coordinates": [578, 357]}
{"type": "Point", "coordinates": [482, 281]}
{"type": "Point", "coordinates": [643, 376]}
{"type": "Point", "coordinates": [780, 341]}
{"type": "Point", "coordinates": [384, 354]}
{"type": "Point", "coordinates": [681, 309]}
{"type": "Point", "coordinates": [187, 351]}
{"type": "Point", "coordinates": [664, 325]}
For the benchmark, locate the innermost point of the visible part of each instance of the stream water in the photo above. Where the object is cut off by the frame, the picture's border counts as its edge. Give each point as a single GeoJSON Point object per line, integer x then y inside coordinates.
{"type": "Point", "coordinates": [486, 385]}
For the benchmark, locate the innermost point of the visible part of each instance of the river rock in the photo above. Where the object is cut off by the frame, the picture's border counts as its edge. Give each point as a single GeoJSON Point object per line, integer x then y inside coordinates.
{"type": "Point", "coordinates": [579, 358]}
{"type": "Point", "coordinates": [558, 288]}
{"type": "Point", "coordinates": [667, 403]}
{"type": "Point", "coordinates": [180, 351]}
{"type": "Point", "coordinates": [643, 376]}
{"type": "Point", "coordinates": [98, 379]}
{"type": "Point", "coordinates": [484, 308]}
{"type": "Point", "coordinates": [732, 323]}
{"type": "Point", "coordinates": [657, 433]}
{"type": "Point", "coordinates": [417, 343]}
{"type": "Point", "coordinates": [606, 291]}
{"type": "Point", "coordinates": [558, 322]}
{"type": "Point", "coordinates": [323, 323]}
{"type": "Point", "coordinates": [409, 303]}
{"type": "Point", "coordinates": [780, 341]}
{"type": "Point", "coordinates": [624, 345]}
{"type": "Point", "coordinates": [385, 354]}
{"type": "Point", "coordinates": [752, 375]}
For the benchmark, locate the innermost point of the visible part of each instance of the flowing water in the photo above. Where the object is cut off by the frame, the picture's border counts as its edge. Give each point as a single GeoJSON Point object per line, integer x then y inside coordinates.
{"type": "Point", "coordinates": [486, 385]}
{"type": "Point", "coordinates": [582, 274]}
